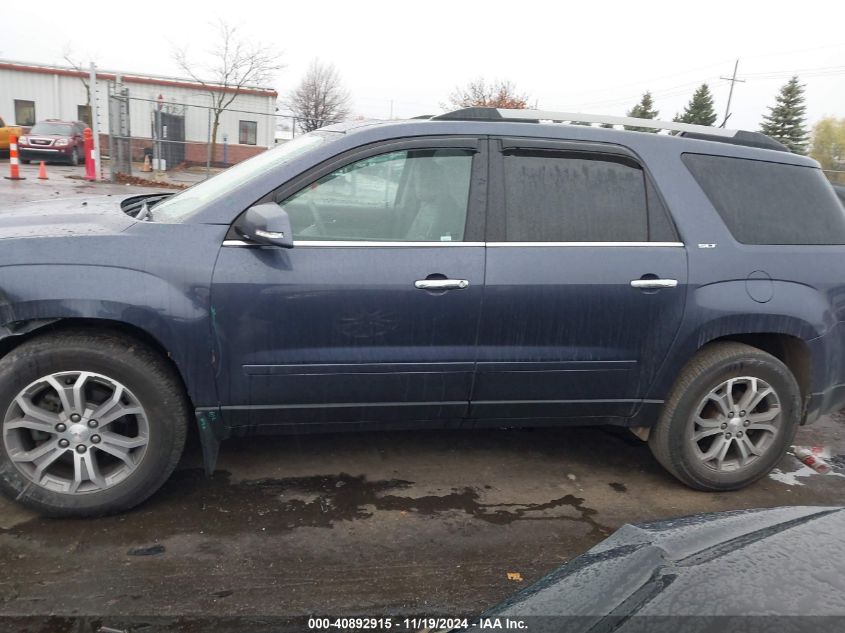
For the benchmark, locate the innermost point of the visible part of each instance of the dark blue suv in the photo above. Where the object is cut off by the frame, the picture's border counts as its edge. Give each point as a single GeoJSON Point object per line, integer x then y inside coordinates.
{"type": "Point", "coordinates": [480, 268]}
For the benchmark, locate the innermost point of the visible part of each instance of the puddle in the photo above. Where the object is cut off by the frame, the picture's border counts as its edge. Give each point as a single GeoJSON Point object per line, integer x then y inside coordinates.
{"type": "Point", "coordinates": [794, 477]}
{"type": "Point", "coordinates": [190, 503]}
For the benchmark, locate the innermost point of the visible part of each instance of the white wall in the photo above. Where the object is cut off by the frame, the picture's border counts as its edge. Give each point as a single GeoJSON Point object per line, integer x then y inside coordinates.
{"type": "Point", "coordinates": [57, 97]}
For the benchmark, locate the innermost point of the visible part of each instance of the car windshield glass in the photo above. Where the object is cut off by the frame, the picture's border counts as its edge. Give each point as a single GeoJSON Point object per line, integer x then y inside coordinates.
{"type": "Point", "coordinates": [51, 128]}
{"type": "Point", "coordinates": [183, 205]}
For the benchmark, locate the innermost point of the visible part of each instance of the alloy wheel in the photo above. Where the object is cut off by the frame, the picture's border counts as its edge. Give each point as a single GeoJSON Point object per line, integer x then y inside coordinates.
{"type": "Point", "coordinates": [736, 423]}
{"type": "Point", "coordinates": [76, 432]}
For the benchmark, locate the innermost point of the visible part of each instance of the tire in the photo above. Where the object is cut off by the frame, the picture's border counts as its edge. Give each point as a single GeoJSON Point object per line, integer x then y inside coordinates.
{"type": "Point", "coordinates": [699, 407]}
{"type": "Point", "coordinates": [74, 157]}
{"type": "Point", "coordinates": [135, 453]}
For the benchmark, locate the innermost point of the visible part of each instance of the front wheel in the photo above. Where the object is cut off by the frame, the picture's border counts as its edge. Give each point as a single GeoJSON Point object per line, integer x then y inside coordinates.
{"type": "Point", "coordinates": [91, 424]}
{"type": "Point", "coordinates": [729, 419]}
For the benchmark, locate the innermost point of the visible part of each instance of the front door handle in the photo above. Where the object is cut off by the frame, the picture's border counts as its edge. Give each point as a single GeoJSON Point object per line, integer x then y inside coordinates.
{"type": "Point", "coordinates": [651, 284]}
{"type": "Point", "coordinates": [441, 284]}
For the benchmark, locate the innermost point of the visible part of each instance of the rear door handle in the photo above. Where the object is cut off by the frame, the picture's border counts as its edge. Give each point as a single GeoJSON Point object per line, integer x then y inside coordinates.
{"type": "Point", "coordinates": [441, 284]}
{"type": "Point", "coordinates": [647, 284]}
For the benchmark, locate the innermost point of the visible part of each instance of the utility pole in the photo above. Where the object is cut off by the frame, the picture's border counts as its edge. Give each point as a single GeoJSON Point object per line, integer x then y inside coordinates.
{"type": "Point", "coordinates": [733, 80]}
{"type": "Point", "coordinates": [95, 121]}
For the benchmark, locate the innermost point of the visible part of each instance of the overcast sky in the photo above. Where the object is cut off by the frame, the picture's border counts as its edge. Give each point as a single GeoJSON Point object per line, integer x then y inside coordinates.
{"type": "Point", "coordinates": [582, 56]}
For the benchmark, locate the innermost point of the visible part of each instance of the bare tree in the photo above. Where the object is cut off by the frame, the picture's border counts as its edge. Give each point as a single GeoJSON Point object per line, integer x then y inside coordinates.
{"type": "Point", "coordinates": [320, 98]}
{"type": "Point", "coordinates": [496, 94]}
{"type": "Point", "coordinates": [235, 63]}
{"type": "Point", "coordinates": [68, 56]}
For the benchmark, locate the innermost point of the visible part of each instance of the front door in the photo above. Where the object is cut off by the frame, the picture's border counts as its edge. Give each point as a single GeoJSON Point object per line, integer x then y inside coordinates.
{"type": "Point", "coordinates": [585, 283]}
{"type": "Point", "coordinates": [373, 314]}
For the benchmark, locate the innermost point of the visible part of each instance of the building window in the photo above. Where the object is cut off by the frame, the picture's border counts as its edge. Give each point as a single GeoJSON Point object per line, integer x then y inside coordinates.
{"type": "Point", "coordinates": [83, 113]}
{"type": "Point", "coordinates": [24, 112]}
{"type": "Point", "coordinates": [248, 133]}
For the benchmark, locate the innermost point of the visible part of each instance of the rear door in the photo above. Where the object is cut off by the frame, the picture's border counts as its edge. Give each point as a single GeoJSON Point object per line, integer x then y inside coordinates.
{"type": "Point", "coordinates": [373, 314]}
{"type": "Point", "coordinates": [585, 283]}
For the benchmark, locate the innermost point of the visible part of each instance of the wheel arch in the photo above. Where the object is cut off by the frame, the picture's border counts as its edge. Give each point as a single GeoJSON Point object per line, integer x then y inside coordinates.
{"type": "Point", "coordinates": [792, 351]}
{"type": "Point", "coordinates": [792, 340]}
{"type": "Point", "coordinates": [28, 330]}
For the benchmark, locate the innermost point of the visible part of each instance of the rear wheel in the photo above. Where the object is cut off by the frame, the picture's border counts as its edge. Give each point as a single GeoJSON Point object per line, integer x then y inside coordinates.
{"type": "Point", "coordinates": [729, 419]}
{"type": "Point", "coordinates": [90, 424]}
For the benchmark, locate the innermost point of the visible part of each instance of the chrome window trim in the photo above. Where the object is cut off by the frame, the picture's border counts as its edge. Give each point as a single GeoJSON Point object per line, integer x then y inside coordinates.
{"type": "Point", "coordinates": [355, 243]}
{"type": "Point", "coordinates": [596, 244]}
{"type": "Point", "coordinates": [365, 244]}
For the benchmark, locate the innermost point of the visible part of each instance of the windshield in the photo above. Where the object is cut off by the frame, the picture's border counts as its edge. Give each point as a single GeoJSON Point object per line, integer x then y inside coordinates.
{"type": "Point", "coordinates": [183, 205]}
{"type": "Point", "coordinates": [62, 129]}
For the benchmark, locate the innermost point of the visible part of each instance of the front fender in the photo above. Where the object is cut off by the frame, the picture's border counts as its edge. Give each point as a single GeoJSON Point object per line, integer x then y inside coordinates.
{"type": "Point", "coordinates": [178, 321]}
{"type": "Point", "coordinates": [152, 277]}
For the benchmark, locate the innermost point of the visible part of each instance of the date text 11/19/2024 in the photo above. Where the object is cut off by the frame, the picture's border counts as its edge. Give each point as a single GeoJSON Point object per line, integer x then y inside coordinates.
{"type": "Point", "coordinates": [416, 624]}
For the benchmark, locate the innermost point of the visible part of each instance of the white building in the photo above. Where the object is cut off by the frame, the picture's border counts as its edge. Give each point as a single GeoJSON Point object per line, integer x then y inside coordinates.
{"type": "Point", "coordinates": [34, 92]}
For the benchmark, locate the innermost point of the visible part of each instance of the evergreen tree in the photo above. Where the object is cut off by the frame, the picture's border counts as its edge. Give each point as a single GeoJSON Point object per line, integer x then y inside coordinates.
{"type": "Point", "coordinates": [643, 110]}
{"type": "Point", "coordinates": [785, 121]}
{"type": "Point", "coordinates": [700, 109]}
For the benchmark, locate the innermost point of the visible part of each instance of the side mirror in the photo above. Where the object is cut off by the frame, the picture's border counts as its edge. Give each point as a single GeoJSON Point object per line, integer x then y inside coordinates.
{"type": "Point", "coordinates": [266, 224]}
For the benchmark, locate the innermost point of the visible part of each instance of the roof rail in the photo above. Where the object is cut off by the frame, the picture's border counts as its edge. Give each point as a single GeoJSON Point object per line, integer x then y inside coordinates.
{"type": "Point", "coordinates": [702, 132]}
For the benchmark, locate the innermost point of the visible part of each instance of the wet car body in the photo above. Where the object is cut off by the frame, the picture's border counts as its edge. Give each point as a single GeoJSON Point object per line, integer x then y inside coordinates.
{"type": "Point", "coordinates": [298, 334]}
{"type": "Point", "coordinates": [159, 278]}
{"type": "Point", "coordinates": [749, 570]}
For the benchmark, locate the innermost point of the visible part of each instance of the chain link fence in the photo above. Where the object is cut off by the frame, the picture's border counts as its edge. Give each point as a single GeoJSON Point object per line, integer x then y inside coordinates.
{"type": "Point", "coordinates": [181, 140]}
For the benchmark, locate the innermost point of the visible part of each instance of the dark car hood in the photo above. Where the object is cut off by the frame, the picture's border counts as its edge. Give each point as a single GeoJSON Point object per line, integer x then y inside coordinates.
{"type": "Point", "coordinates": [64, 217]}
{"type": "Point", "coordinates": [777, 562]}
{"type": "Point", "coordinates": [840, 192]}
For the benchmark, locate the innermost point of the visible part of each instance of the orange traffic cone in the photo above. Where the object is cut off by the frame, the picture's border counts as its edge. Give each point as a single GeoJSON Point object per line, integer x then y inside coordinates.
{"type": "Point", "coordinates": [147, 167]}
{"type": "Point", "coordinates": [42, 172]}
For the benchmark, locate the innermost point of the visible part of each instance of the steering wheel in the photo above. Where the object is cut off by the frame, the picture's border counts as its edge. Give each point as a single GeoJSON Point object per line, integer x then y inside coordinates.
{"type": "Point", "coordinates": [319, 223]}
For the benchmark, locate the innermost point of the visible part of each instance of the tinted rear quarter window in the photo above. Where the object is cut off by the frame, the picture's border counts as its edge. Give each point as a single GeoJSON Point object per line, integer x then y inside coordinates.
{"type": "Point", "coordinates": [559, 197]}
{"type": "Point", "coordinates": [770, 203]}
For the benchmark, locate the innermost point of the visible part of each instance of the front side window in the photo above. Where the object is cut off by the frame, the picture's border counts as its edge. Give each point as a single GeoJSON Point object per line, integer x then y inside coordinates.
{"type": "Point", "coordinates": [409, 195]}
{"type": "Point", "coordinates": [24, 112]}
{"type": "Point", "coordinates": [571, 197]}
{"type": "Point", "coordinates": [248, 133]}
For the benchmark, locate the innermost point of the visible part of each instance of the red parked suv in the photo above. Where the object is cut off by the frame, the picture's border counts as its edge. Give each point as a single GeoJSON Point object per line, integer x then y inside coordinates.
{"type": "Point", "coordinates": [54, 140]}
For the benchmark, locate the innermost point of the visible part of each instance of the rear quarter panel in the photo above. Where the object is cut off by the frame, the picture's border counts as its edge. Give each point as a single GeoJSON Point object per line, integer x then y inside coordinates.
{"type": "Point", "coordinates": [728, 293]}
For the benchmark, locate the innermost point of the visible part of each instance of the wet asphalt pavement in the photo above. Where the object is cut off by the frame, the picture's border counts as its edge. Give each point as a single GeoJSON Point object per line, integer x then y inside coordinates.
{"type": "Point", "coordinates": [363, 524]}
{"type": "Point", "coordinates": [390, 523]}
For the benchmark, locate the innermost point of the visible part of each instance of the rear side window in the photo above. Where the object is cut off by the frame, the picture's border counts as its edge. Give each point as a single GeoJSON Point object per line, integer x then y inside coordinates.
{"type": "Point", "coordinates": [574, 197]}
{"type": "Point", "coordinates": [770, 203]}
